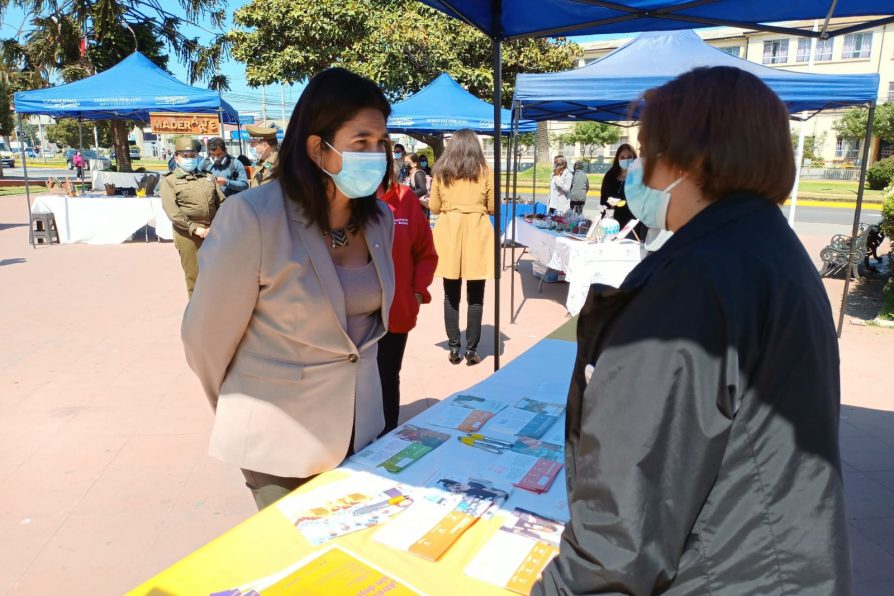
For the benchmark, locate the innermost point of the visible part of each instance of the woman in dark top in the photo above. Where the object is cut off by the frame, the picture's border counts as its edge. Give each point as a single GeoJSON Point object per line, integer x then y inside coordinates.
{"type": "Point", "coordinates": [417, 180]}
{"type": "Point", "coordinates": [613, 183]}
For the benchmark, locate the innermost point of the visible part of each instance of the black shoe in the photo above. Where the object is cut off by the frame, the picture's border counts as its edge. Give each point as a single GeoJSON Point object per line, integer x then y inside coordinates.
{"type": "Point", "coordinates": [472, 358]}
{"type": "Point", "coordinates": [455, 358]}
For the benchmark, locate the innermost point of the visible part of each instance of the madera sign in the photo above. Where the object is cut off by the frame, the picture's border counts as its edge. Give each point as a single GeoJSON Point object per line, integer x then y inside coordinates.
{"type": "Point", "coordinates": [184, 124]}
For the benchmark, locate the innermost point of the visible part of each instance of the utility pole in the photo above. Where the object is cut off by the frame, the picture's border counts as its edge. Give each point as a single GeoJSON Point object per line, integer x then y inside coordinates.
{"type": "Point", "coordinates": [263, 105]}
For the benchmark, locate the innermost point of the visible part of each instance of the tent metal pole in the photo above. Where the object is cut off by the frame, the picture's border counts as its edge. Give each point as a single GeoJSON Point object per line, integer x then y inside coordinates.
{"type": "Point", "coordinates": [21, 138]}
{"type": "Point", "coordinates": [516, 114]}
{"type": "Point", "coordinates": [799, 153]}
{"type": "Point", "coordinates": [856, 227]}
{"type": "Point", "coordinates": [239, 132]}
{"type": "Point", "coordinates": [508, 173]}
{"type": "Point", "coordinates": [497, 8]}
{"type": "Point", "coordinates": [534, 190]}
{"type": "Point", "coordinates": [81, 135]}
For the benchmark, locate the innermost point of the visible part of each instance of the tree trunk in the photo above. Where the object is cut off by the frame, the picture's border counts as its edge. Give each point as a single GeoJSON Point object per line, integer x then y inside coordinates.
{"type": "Point", "coordinates": [435, 142]}
{"type": "Point", "coordinates": [542, 140]}
{"type": "Point", "coordinates": [122, 147]}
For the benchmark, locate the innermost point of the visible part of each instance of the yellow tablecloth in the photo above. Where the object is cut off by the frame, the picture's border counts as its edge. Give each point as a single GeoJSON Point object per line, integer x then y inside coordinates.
{"type": "Point", "coordinates": [267, 542]}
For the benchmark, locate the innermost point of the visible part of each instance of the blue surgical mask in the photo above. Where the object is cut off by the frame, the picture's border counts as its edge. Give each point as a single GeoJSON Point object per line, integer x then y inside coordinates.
{"type": "Point", "coordinates": [646, 203]}
{"type": "Point", "coordinates": [188, 164]}
{"type": "Point", "coordinates": [625, 163]}
{"type": "Point", "coordinates": [361, 172]}
{"type": "Point", "coordinates": [397, 154]}
{"type": "Point", "coordinates": [252, 154]}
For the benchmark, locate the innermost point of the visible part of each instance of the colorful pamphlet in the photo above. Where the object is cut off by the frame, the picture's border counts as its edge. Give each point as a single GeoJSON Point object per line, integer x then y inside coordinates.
{"type": "Point", "coordinates": [535, 474]}
{"type": "Point", "coordinates": [439, 516]}
{"type": "Point", "coordinates": [529, 417]}
{"type": "Point", "coordinates": [363, 515]}
{"type": "Point", "coordinates": [517, 554]}
{"type": "Point", "coordinates": [537, 448]}
{"type": "Point", "coordinates": [405, 446]}
{"type": "Point", "coordinates": [334, 572]}
{"type": "Point", "coordinates": [467, 413]}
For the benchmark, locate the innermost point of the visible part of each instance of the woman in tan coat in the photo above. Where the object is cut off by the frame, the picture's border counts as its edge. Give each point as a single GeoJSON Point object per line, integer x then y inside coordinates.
{"type": "Point", "coordinates": [462, 196]}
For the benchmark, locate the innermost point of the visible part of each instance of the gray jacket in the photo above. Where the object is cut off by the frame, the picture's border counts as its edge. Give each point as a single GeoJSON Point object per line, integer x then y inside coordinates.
{"type": "Point", "coordinates": [702, 453]}
{"type": "Point", "coordinates": [580, 184]}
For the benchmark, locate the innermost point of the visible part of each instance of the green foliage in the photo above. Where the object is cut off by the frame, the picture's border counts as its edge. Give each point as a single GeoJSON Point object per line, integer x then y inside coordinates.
{"type": "Point", "coordinates": [591, 135]}
{"type": "Point", "coordinates": [65, 133]}
{"type": "Point", "coordinates": [813, 147]}
{"type": "Point", "coordinates": [880, 174]}
{"type": "Point", "coordinates": [401, 45]}
{"type": "Point", "coordinates": [7, 123]}
{"type": "Point", "coordinates": [852, 124]}
{"type": "Point", "coordinates": [525, 140]}
{"type": "Point", "coordinates": [887, 224]}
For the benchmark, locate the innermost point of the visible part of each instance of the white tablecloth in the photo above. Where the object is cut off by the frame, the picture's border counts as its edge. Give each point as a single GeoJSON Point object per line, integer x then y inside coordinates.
{"type": "Point", "coordinates": [100, 219]}
{"type": "Point", "coordinates": [119, 179]}
{"type": "Point", "coordinates": [584, 263]}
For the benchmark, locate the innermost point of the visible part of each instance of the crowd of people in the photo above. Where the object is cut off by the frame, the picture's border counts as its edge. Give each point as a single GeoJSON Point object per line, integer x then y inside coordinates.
{"type": "Point", "coordinates": [701, 456]}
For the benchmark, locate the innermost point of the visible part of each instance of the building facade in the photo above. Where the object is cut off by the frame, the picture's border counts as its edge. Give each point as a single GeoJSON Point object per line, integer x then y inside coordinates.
{"type": "Point", "coordinates": [870, 51]}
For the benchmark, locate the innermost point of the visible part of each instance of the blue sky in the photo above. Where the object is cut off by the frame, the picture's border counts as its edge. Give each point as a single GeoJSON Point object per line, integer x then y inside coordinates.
{"type": "Point", "coordinates": [243, 97]}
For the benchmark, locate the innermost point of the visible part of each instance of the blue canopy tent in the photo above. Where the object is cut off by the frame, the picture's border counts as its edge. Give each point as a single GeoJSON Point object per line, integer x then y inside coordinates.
{"type": "Point", "coordinates": [444, 106]}
{"type": "Point", "coordinates": [604, 89]}
{"type": "Point", "coordinates": [130, 90]}
{"type": "Point", "coordinates": [511, 19]}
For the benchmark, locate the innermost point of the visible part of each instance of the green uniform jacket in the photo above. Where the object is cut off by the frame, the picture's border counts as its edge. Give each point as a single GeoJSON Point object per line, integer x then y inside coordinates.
{"type": "Point", "coordinates": [263, 171]}
{"type": "Point", "coordinates": [190, 200]}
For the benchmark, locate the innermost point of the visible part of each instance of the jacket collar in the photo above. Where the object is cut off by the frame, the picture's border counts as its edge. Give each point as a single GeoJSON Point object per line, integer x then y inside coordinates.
{"type": "Point", "coordinates": [711, 220]}
{"type": "Point", "coordinates": [315, 245]}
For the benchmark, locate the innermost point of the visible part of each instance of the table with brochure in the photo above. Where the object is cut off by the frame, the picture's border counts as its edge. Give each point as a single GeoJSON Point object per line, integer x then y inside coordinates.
{"type": "Point", "coordinates": [468, 497]}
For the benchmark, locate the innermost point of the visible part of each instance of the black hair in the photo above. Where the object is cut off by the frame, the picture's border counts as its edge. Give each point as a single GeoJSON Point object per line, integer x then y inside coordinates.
{"type": "Point", "coordinates": [331, 98]}
{"type": "Point", "coordinates": [216, 143]}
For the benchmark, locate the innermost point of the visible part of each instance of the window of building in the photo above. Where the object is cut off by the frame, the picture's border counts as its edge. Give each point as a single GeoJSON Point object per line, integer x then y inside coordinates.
{"type": "Point", "coordinates": [891, 91]}
{"type": "Point", "coordinates": [612, 149]}
{"type": "Point", "coordinates": [776, 51]}
{"type": "Point", "coordinates": [857, 45]}
{"type": "Point", "coordinates": [847, 148]}
{"type": "Point", "coordinates": [732, 50]}
{"type": "Point", "coordinates": [823, 50]}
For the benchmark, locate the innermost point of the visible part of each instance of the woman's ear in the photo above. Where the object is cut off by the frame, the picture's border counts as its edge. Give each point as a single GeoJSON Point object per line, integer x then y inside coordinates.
{"type": "Point", "coordinates": [315, 149]}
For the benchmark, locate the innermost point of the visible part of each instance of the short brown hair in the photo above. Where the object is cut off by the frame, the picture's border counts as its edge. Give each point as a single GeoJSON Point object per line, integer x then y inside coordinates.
{"type": "Point", "coordinates": [725, 124]}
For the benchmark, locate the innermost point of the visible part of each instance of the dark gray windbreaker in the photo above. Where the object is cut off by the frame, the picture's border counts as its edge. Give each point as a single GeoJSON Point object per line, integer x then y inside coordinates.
{"type": "Point", "coordinates": [702, 456]}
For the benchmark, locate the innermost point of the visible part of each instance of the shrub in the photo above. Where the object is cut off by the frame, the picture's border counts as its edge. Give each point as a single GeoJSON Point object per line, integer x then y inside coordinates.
{"type": "Point", "coordinates": [887, 224]}
{"type": "Point", "coordinates": [880, 174]}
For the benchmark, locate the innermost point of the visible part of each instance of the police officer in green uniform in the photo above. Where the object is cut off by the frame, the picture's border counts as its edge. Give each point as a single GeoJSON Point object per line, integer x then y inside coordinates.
{"type": "Point", "coordinates": [191, 198]}
{"type": "Point", "coordinates": [266, 149]}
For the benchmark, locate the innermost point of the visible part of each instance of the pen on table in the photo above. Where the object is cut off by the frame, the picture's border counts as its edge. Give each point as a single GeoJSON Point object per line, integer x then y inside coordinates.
{"type": "Point", "coordinates": [479, 445]}
{"type": "Point", "coordinates": [492, 441]}
{"type": "Point", "coordinates": [380, 505]}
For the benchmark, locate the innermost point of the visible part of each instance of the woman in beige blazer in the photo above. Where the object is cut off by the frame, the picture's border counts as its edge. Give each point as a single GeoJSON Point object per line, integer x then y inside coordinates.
{"type": "Point", "coordinates": [462, 195]}
{"type": "Point", "coordinates": [295, 288]}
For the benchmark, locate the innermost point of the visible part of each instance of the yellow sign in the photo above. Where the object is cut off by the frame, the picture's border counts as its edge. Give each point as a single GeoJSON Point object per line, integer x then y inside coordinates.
{"type": "Point", "coordinates": [184, 124]}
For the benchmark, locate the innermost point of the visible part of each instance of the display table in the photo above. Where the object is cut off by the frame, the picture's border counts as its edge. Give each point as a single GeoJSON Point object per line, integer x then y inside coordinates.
{"type": "Point", "coordinates": [267, 542]}
{"type": "Point", "coordinates": [584, 263]}
{"type": "Point", "coordinates": [100, 219]}
{"type": "Point", "coordinates": [119, 179]}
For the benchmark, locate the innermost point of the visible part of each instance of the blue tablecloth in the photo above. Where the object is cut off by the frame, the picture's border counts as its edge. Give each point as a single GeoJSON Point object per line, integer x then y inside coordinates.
{"type": "Point", "coordinates": [520, 211]}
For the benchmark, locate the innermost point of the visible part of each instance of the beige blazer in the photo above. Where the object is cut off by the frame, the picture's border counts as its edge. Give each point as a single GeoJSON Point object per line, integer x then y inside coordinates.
{"type": "Point", "coordinates": [265, 333]}
{"type": "Point", "coordinates": [463, 234]}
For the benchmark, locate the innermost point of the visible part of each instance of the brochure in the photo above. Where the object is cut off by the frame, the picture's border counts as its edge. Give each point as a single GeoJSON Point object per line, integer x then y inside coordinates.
{"type": "Point", "coordinates": [467, 413]}
{"type": "Point", "coordinates": [534, 474]}
{"type": "Point", "coordinates": [395, 452]}
{"type": "Point", "coordinates": [334, 572]}
{"type": "Point", "coordinates": [529, 417]}
{"type": "Point", "coordinates": [537, 448]}
{"type": "Point", "coordinates": [517, 554]}
{"type": "Point", "coordinates": [438, 517]}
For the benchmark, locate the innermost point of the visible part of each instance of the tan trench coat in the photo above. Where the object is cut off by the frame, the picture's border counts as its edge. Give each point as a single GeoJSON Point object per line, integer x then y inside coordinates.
{"type": "Point", "coordinates": [464, 235]}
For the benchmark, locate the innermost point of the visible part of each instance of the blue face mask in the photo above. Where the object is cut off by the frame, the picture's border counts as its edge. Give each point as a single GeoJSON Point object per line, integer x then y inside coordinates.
{"type": "Point", "coordinates": [647, 204]}
{"type": "Point", "coordinates": [188, 164]}
{"type": "Point", "coordinates": [625, 163]}
{"type": "Point", "coordinates": [361, 172]}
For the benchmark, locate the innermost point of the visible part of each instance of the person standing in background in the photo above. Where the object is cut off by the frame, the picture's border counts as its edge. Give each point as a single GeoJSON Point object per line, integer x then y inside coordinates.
{"type": "Point", "coordinates": [423, 165]}
{"type": "Point", "coordinates": [400, 172]}
{"type": "Point", "coordinates": [78, 162]}
{"type": "Point", "coordinates": [580, 185]}
{"type": "Point", "coordinates": [190, 198]}
{"type": "Point", "coordinates": [228, 171]}
{"type": "Point", "coordinates": [613, 185]}
{"type": "Point", "coordinates": [560, 186]}
{"type": "Point", "coordinates": [415, 260]}
{"type": "Point", "coordinates": [417, 180]}
{"type": "Point", "coordinates": [264, 147]}
{"type": "Point", "coordinates": [462, 194]}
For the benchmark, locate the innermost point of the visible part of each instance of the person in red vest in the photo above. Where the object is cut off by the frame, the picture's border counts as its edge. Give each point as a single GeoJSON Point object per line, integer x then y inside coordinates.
{"type": "Point", "coordinates": [415, 261]}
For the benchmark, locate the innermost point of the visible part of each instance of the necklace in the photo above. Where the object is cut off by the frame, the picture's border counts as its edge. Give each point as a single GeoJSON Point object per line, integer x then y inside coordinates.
{"type": "Point", "coordinates": [339, 236]}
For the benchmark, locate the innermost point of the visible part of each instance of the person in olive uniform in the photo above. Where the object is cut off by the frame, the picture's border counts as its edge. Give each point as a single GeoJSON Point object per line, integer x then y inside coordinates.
{"type": "Point", "coordinates": [190, 197]}
{"type": "Point", "coordinates": [266, 148]}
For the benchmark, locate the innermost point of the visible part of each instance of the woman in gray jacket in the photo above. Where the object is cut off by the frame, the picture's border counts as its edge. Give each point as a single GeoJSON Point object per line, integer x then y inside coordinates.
{"type": "Point", "coordinates": [580, 184]}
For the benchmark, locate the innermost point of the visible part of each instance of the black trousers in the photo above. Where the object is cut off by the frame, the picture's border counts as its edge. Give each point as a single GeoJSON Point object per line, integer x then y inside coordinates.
{"type": "Point", "coordinates": [475, 299]}
{"type": "Point", "coordinates": [391, 356]}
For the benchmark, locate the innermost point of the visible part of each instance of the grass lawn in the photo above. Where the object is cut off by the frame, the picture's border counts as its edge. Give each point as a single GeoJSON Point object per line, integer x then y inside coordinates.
{"type": "Point", "coordinates": [20, 190]}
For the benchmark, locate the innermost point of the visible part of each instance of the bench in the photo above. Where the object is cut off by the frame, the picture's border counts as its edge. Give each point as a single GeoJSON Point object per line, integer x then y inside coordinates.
{"type": "Point", "coordinates": [835, 255]}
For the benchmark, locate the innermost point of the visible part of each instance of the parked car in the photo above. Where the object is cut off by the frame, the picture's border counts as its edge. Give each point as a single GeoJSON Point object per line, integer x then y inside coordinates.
{"type": "Point", "coordinates": [7, 156]}
{"type": "Point", "coordinates": [134, 154]}
{"type": "Point", "coordinates": [88, 155]}
{"type": "Point", "coordinates": [48, 153]}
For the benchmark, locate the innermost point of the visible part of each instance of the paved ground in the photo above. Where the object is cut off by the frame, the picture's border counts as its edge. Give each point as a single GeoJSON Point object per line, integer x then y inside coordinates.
{"type": "Point", "coordinates": [103, 429]}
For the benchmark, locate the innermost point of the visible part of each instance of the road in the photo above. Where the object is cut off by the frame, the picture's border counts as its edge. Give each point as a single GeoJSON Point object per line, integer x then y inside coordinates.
{"type": "Point", "coordinates": [804, 215]}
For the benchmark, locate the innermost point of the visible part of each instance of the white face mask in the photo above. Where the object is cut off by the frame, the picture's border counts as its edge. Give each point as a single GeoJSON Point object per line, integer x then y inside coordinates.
{"type": "Point", "coordinates": [361, 172]}
{"type": "Point", "coordinates": [625, 163]}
